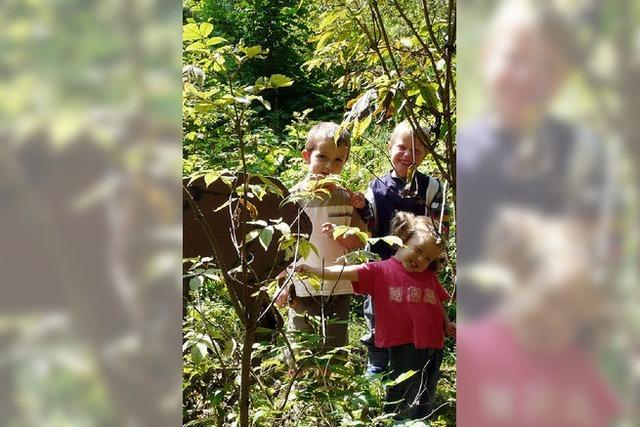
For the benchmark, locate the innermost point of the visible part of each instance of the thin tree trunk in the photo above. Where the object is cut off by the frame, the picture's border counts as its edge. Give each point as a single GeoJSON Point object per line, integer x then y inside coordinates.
{"type": "Point", "coordinates": [247, 349]}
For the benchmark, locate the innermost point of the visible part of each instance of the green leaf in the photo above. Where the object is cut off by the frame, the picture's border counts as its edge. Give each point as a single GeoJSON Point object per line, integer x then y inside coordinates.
{"type": "Point", "coordinates": [216, 397]}
{"type": "Point", "coordinates": [263, 330]}
{"type": "Point", "coordinates": [360, 126]}
{"type": "Point", "coordinates": [340, 230]}
{"type": "Point", "coordinates": [404, 376]}
{"type": "Point", "coordinates": [322, 41]}
{"type": "Point", "coordinates": [190, 32]}
{"type": "Point", "coordinates": [205, 29]}
{"type": "Point", "coordinates": [218, 64]}
{"type": "Point", "coordinates": [429, 95]}
{"type": "Point", "coordinates": [329, 19]}
{"type": "Point", "coordinates": [305, 247]}
{"type": "Point", "coordinates": [216, 40]}
{"type": "Point", "coordinates": [346, 231]}
{"type": "Point", "coordinates": [358, 257]}
{"type": "Point", "coordinates": [196, 282]}
{"type": "Point", "coordinates": [225, 100]}
{"type": "Point", "coordinates": [229, 348]}
{"type": "Point", "coordinates": [198, 352]}
{"type": "Point", "coordinates": [260, 84]}
{"type": "Point", "coordinates": [222, 206]}
{"type": "Point", "coordinates": [283, 228]}
{"type": "Point", "coordinates": [279, 80]}
{"type": "Point", "coordinates": [252, 51]}
{"type": "Point", "coordinates": [196, 46]}
{"type": "Point", "coordinates": [271, 186]}
{"type": "Point", "coordinates": [203, 107]}
{"type": "Point", "coordinates": [210, 178]}
{"type": "Point", "coordinates": [265, 237]}
{"type": "Point", "coordinates": [252, 235]}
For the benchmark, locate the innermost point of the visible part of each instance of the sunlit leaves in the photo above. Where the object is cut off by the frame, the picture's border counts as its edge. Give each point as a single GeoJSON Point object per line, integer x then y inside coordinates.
{"type": "Point", "coordinates": [196, 31]}
{"type": "Point", "coordinates": [265, 232]}
{"type": "Point", "coordinates": [358, 257]}
{"type": "Point", "coordinates": [252, 51]}
{"type": "Point", "coordinates": [401, 378]}
{"type": "Point", "coordinates": [213, 41]}
{"type": "Point", "coordinates": [345, 231]}
{"type": "Point", "coordinates": [360, 126]}
{"type": "Point", "coordinates": [296, 245]}
{"type": "Point", "coordinates": [195, 46]}
{"type": "Point", "coordinates": [279, 80]}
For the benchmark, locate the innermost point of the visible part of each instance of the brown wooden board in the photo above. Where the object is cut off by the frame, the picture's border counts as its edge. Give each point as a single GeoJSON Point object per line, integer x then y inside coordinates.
{"type": "Point", "coordinates": [263, 264]}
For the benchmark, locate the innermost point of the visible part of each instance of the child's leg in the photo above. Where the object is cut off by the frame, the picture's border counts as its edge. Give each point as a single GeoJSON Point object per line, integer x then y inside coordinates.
{"type": "Point", "coordinates": [299, 322]}
{"type": "Point", "coordinates": [414, 397]}
{"type": "Point", "coordinates": [377, 358]}
{"type": "Point", "coordinates": [431, 376]}
{"type": "Point", "coordinates": [403, 397]}
{"type": "Point", "coordinates": [307, 315]}
{"type": "Point", "coordinates": [336, 313]}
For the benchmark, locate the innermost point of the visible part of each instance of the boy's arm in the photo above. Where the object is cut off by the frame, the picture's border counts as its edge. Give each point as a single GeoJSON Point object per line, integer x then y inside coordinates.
{"type": "Point", "coordinates": [441, 210]}
{"type": "Point", "coordinates": [366, 210]}
{"type": "Point", "coordinates": [365, 205]}
{"type": "Point", "coordinates": [371, 214]}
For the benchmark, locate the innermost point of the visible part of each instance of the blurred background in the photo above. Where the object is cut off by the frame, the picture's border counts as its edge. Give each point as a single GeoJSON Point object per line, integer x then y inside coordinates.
{"type": "Point", "coordinates": [89, 201]}
{"type": "Point", "coordinates": [90, 119]}
{"type": "Point", "coordinates": [548, 143]}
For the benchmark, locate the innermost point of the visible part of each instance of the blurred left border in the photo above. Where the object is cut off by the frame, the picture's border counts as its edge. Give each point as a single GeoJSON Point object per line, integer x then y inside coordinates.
{"type": "Point", "coordinates": [90, 122]}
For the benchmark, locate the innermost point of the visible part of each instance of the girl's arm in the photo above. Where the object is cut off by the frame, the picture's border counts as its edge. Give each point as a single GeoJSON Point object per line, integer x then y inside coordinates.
{"type": "Point", "coordinates": [335, 272]}
{"type": "Point", "coordinates": [448, 325]}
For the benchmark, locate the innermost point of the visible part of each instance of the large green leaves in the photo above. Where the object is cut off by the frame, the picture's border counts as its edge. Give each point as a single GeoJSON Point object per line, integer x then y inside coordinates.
{"type": "Point", "coordinates": [196, 31]}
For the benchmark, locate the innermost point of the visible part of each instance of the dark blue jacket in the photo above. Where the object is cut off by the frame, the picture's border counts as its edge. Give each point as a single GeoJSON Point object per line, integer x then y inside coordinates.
{"type": "Point", "coordinates": [385, 198]}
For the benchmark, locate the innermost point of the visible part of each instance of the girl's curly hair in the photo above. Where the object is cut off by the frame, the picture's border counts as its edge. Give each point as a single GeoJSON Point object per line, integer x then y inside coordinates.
{"type": "Point", "coordinates": [405, 225]}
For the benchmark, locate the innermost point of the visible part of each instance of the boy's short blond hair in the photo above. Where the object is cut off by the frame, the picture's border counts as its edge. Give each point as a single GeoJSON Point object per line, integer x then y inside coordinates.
{"type": "Point", "coordinates": [327, 130]}
{"type": "Point", "coordinates": [404, 129]}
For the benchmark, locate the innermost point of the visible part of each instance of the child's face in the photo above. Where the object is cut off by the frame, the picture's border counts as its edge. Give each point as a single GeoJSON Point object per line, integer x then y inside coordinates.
{"type": "Point", "coordinates": [404, 154]}
{"type": "Point", "coordinates": [420, 251]}
{"type": "Point", "coordinates": [326, 158]}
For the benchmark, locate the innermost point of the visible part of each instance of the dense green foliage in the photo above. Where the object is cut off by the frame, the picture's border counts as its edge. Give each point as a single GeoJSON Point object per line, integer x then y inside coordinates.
{"type": "Point", "coordinates": [257, 75]}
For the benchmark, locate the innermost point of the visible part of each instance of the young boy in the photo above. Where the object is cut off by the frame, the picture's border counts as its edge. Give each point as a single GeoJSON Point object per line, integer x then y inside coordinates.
{"type": "Point", "coordinates": [387, 195]}
{"type": "Point", "coordinates": [325, 155]}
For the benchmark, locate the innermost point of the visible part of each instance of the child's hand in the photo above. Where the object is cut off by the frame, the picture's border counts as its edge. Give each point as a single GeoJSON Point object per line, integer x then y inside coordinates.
{"type": "Point", "coordinates": [303, 268]}
{"type": "Point", "coordinates": [281, 299]}
{"type": "Point", "coordinates": [327, 228]}
{"type": "Point", "coordinates": [450, 329]}
{"type": "Point", "coordinates": [357, 200]}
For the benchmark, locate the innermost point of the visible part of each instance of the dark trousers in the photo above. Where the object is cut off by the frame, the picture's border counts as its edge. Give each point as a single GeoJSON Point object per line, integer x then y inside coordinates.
{"type": "Point", "coordinates": [377, 358]}
{"type": "Point", "coordinates": [414, 397]}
